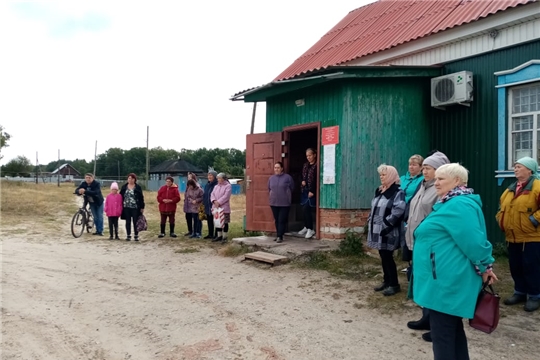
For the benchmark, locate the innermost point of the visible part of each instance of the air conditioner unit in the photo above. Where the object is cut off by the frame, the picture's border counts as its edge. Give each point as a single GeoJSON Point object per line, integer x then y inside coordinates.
{"type": "Point", "coordinates": [451, 89]}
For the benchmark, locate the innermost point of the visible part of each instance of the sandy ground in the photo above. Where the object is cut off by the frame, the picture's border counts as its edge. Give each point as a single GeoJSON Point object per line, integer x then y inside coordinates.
{"type": "Point", "coordinates": [88, 298]}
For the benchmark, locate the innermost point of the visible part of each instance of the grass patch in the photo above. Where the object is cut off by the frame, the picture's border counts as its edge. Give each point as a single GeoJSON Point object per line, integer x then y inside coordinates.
{"type": "Point", "coordinates": [233, 250]}
{"type": "Point", "coordinates": [188, 250]}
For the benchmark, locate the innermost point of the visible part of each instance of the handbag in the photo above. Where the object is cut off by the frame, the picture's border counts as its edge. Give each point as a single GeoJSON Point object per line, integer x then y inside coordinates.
{"type": "Point", "coordinates": [142, 225]}
{"type": "Point", "coordinates": [219, 217]}
{"type": "Point", "coordinates": [486, 315]}
{"type": "Point", "coordinates": [202, 212]}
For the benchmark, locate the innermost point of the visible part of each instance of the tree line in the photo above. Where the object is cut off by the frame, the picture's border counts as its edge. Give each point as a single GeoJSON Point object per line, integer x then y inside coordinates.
{"type": "Point", "coordinates": [116, 162]}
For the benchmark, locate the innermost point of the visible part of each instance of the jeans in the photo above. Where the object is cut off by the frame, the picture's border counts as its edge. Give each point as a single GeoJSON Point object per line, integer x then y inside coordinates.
{"type": "Point", "coordinates": [197, 224]}
{"type": "Point", "coordinates": [448, 335]}
{"type": "Point", "coordinates": [308, 216]}
{"type": "Point", "coordinates": [97, 213]}
{"type": "Point", "coordinates": [389, 267]}
{"type": "Point", "coordinates": [281, 217]}
{"type": "Point", "coordinates": [524, 262]}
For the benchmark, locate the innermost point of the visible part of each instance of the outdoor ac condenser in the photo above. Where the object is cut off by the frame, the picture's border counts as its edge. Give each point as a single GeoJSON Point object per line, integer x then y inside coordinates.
{"type": "Point", "coordinates": [452, 89]}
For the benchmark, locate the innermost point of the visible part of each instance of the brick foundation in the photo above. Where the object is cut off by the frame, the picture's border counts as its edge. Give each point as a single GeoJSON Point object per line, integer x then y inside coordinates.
{"type": "Point", "coordinates": [335, 222]}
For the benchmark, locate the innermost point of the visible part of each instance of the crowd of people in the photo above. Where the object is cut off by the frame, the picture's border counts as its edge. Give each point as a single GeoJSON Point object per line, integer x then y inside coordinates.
{"type": "Point", "coordinates": [429, 213]}
{"type": "Point", "coordinates": [128, 204]}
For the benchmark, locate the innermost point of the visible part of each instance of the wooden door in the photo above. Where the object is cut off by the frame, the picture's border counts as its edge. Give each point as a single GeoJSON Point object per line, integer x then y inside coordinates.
{"type": "Point", "coordinates": [262, 151]}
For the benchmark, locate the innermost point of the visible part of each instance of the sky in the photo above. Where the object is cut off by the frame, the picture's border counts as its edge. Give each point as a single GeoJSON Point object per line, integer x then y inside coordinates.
{"type": "Point", "coordinates": [76, 72]}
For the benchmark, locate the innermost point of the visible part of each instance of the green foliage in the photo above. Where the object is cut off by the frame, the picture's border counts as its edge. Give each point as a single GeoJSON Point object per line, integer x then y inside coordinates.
{"type": "Point", "coordinates": [117, 162]}
{"type": "Point", "coordinates": [351, 245]}
{"type": "Point", "coordinates": [20, 166]}
{"type": "Point", "coordinates": [4, 138]}
{"type": "Point", "coordinates": [500, 251]}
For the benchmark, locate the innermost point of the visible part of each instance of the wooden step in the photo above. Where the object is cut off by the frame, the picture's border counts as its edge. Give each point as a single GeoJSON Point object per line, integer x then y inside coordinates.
{"type": "Point", "coordinates": [266, 257]}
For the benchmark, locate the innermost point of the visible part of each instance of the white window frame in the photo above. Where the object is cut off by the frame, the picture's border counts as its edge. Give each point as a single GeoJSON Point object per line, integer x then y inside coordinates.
{"type": "Point", "coordinates": [535, 129]}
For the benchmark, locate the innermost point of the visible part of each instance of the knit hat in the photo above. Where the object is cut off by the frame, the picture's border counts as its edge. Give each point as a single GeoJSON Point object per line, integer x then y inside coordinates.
{"type": "Point", "coordinates": [114, 186]}
{"type": "Point", "coordinates": [436, 160]}
{"type": "Point", "coordinates": [213, 173]}
{"type": "Point", "coordinates": [530, 164]}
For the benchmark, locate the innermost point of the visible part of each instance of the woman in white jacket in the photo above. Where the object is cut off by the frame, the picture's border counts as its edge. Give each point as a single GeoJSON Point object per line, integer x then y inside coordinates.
{"type": "Point", "coordinates": [420, 207]}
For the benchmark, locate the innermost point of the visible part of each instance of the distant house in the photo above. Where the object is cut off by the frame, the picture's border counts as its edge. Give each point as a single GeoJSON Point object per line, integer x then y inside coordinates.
{"type": "Point", "coordinates": [66, 171]}
{"type": "Point", "coordinates": [174, 168]}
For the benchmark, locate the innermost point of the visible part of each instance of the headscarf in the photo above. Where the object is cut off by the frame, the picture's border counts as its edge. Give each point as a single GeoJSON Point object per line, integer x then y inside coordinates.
{"type": "Point", "coordinates": [530, 164]}
{"type": "Point", "coordinates": [392, 177]}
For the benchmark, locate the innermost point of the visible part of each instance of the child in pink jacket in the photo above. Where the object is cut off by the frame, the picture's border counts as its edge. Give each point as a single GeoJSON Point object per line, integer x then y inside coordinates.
{"type": "Point", "coordinates": [113, 209]}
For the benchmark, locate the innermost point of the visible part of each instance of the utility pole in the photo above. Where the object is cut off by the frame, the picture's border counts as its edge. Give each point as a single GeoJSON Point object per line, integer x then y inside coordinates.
{"type": "Point", "coordinates": [253, 117]}
{"type": "Point", "coordinates": [147, 155]}
{"type": "Point", "coordinates": [58, 174]}
{"type": "Point", "coordinates": [36, 167]}
{"type": "Point", "coordinates": [95, 157]}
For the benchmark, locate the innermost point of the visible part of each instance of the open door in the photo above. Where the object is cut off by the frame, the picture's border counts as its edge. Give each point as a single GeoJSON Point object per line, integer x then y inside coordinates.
{"type": "Point", "coordinates": [262, 151]}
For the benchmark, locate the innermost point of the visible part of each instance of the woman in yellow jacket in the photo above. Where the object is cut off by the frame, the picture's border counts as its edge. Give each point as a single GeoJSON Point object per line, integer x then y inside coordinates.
{"type": "Point", "coordinates": [519, 218]}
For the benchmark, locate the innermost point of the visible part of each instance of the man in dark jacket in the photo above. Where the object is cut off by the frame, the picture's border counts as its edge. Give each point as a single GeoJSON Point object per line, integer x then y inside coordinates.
{"type": "Point", "coordinates": [91, 190]}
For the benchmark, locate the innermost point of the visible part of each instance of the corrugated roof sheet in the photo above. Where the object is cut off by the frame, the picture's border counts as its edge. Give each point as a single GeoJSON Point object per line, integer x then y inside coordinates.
{"type": "Point", "coordinates": [387, 23]}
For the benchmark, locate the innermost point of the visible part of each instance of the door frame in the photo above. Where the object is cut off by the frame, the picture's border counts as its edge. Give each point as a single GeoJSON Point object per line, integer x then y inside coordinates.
{"type": "Point", "coordinates": [285, 149]}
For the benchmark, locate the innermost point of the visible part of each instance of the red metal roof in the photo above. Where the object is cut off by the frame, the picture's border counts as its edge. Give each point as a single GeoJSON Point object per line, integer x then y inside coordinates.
{"type": "Point", "coordinates": [387, 23]}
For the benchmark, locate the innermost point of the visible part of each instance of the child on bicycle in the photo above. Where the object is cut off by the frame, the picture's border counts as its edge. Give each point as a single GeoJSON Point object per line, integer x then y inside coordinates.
{"type": "Point", "coordinates": [113, 209]}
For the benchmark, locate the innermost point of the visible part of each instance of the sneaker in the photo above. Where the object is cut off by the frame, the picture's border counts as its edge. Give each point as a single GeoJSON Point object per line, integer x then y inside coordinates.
{"type": "Point", "coordinates": [380, 287]}
{"type": "Point", "coordinates": [187, 234]}
{"type": "Point", "coordinates": [110, 237]}
{"type": "Point", "coordinates": [173, 235]}
{"type": "Point", "coordinates": [116, 237]}
{"type": "Point", "coordinates": [128, 238]}
{"type": "Point", "coordinates": [310, 233]}
{"type": "Point", "coordinates": [303, 231]}
{"type": "Point", "coordinates": [161, 235]}
{"type": "Point", "coordinates": [279, 240]}
{"type": "Point", "coordinates": [136, 238]}
{"type": "Point", "coordinates": [208, 237]}
{"type": "Point", "coordinates": [219, 238]}
{"type": "Point", "coordinates": [193, 236]}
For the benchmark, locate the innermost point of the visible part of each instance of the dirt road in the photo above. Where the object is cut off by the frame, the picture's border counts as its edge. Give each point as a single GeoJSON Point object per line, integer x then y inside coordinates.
{"type": "Point", "coordinates": [64, 298]}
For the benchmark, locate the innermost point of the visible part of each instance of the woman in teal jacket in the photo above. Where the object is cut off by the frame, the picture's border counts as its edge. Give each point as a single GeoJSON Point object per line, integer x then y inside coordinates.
{"type": "Point", "coordinates": [451, 258]}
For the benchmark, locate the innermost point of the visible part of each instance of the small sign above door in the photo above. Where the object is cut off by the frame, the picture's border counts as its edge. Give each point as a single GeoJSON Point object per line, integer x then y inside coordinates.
{"type": "Point", "coordinates": [330, 135]}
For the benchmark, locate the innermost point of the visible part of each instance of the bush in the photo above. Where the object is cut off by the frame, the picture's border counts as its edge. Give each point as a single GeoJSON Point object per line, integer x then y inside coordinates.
{"type": "Point", "coordinates": [352, 245]}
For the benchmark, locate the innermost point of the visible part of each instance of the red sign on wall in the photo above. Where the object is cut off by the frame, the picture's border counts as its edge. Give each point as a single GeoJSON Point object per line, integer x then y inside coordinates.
{"type": "Point", "coordinates": [330, 135]}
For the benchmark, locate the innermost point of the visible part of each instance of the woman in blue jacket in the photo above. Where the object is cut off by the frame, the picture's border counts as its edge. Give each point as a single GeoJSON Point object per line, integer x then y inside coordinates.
{"type": "Point", "coordinates": [451, 257]}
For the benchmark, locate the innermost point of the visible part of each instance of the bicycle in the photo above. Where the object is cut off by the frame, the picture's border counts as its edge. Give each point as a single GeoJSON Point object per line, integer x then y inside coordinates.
{"type": "Point", "coordinates": [82, 219]}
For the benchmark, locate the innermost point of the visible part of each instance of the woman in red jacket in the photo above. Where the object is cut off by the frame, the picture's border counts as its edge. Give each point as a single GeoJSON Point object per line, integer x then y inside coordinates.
{"type": "Point", "coordinates": [168, 196]}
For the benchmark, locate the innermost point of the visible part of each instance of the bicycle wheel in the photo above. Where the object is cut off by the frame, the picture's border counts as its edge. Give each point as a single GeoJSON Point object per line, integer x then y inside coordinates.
{"type": "Point", "coordinates": [89, 222]}
{"type": "Point", "coordinates": [78, 224]}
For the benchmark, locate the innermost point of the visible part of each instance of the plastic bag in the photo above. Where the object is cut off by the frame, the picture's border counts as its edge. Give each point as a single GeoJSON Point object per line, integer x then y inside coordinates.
{"type": "Point", "coordinates": [219, 217]}
{"type": "Point", "coordinates": [142, 225]}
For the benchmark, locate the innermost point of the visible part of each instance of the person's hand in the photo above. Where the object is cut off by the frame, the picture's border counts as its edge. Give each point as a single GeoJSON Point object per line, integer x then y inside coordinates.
{"type": "Point", "coordinates": [491, 275]}
{"type": "Point", "coordinates": [303, 183]}
{"type": "Point", "coordinates": [193, 201]}
{"type": "Point", "coordinates": [216, 203]}
{"type": "Point", "coordinates": [81, 191]}
{"type": "Point", "coordinates": [310, 195]}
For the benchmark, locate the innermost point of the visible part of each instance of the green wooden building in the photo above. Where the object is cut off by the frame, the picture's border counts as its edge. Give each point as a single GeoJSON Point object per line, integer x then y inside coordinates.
{"type": "Point", "coordinates": [377, 80]}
